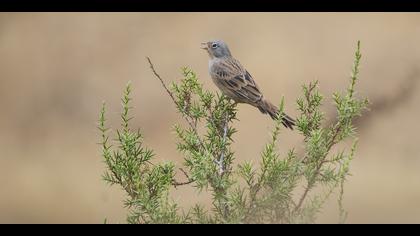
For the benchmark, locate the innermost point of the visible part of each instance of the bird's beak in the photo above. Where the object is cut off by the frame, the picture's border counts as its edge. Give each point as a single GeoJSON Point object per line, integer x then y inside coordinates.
{"type": "Point", "coordinates": [204, 46]}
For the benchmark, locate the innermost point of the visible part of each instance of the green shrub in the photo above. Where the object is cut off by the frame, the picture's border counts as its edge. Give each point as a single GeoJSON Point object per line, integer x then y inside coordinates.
{"type": "Point", "coordinates": [243, 193]}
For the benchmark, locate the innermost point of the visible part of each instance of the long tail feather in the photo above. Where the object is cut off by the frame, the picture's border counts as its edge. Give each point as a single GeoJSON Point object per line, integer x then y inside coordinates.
{"type": "Point", "coordinates": [266, 107]}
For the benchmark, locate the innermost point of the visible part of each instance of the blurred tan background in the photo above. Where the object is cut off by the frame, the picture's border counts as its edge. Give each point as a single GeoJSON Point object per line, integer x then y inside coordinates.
{"type": "Point", "coordinates": [56, 68]}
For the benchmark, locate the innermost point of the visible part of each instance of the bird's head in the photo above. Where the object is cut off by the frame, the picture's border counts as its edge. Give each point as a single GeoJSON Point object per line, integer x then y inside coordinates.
{"type": "Point", "coordinates": [216, 49]}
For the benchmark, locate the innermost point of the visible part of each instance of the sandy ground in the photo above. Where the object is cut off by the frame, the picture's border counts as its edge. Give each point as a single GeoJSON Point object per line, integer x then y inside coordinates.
{"type": "Point", "coordinates": [57, 68]}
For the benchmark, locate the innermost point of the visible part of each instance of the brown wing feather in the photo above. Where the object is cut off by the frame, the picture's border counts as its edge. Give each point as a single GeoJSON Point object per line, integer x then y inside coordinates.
{"type": "Point", "coordinates": [236, 81]}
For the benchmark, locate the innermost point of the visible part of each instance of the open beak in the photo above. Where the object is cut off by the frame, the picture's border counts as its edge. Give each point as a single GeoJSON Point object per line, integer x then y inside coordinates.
{"type": "Point", "coordinates": [204, 46]}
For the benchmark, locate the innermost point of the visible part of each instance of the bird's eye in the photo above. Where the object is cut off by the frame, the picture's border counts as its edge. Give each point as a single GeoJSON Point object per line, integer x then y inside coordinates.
{"type": "Point", "coordinates": [214, 45]}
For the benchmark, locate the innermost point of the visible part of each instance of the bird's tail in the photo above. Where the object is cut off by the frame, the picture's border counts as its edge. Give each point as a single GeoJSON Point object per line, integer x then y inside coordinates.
{"type": "Point", "coordinates": [266, 106]}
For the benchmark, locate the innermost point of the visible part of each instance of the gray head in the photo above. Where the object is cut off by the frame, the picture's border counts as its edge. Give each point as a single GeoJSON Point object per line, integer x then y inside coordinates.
{"type": "Point", "coordinates": [217, 49]}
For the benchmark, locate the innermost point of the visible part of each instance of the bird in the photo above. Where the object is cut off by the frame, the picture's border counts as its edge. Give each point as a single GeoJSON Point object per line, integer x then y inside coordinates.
{"type": "Point", "coordinates": [236, 82]}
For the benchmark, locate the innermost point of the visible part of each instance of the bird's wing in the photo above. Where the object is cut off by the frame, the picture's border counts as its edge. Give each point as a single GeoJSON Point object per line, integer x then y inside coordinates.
{"type": "Point", "coordinates": [236, 79]}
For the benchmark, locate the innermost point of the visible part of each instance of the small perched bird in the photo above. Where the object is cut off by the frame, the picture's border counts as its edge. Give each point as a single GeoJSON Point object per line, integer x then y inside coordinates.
{"type": "Point", "coordinates": [236, 83]}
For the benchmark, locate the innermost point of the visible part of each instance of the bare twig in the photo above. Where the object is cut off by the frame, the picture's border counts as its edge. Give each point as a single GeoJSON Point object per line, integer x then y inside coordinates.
{"type": "Point", "coordinates": [190, 123]}
{"type": "Point", "coordinates": [189, 181]}
{"type": "Point", "coordinates": [161, 80]}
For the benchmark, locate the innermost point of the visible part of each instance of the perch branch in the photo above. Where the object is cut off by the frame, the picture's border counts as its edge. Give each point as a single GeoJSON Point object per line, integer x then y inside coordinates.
{"type": "Point", "coordinates": [221, 160]}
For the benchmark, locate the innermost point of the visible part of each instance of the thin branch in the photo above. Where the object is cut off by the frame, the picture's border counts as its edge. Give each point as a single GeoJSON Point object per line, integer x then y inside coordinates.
{"type": "Point", "coordinates": [189, 181]}
{"type": "Point", "coordinates": [318, 169]}
{"type": "Point", "coordinates": [161, 80]}
{"type": "Point", "coordinates": [190, 123]}
{"type": "Point", "coordinates": [221, 160]}
{"type": "Point", "coordinates": [308, 187]}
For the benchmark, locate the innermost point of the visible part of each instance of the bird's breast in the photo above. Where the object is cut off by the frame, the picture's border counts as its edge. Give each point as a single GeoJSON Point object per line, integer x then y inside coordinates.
{"type": "Point", "coordinates": [213, 62]}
